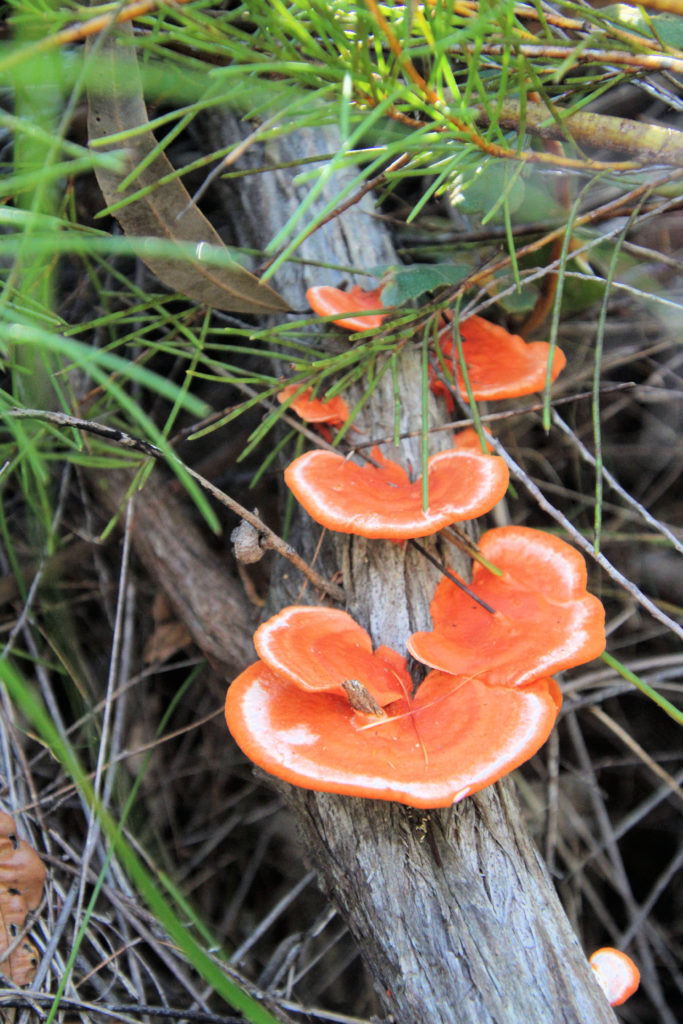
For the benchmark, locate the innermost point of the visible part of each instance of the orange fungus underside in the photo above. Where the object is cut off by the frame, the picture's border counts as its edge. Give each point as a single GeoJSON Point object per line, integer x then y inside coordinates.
{"type": "Point", "coordinates": [326, 301]}
{"type": "Point", "coordinates": [544, 619]}
{"type": "Point", "coordinates": [499, 364]}
{"type": "Point", "coordinates": [381, 502]}
{"type": "Point", "coordinates": [452, 739]}
{"type": "Point", "coordinates": [616, 974]}
{"type": "Point", "coordinates": [334, 411]}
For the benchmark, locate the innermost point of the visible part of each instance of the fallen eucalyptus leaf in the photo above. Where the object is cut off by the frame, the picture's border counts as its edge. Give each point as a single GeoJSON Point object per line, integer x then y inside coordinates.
{"type": "Point", "coordinates": [116, 105]}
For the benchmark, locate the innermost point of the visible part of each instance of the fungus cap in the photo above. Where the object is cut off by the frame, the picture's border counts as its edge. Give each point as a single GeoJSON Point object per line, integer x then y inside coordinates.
{"type": "Point", "coordinates": [326, 301]}
{"type": "Point", "coordinates": [499, 364]}
{"type": "Point", "coordinates": [21, 964]}
{"type": "Point", "coordinates": [318, 649]}
{"type": "Point", "coordinates": [381, 502]}
{"type": "Point", "coordinates": [616, 974]}
{"type": "Point", "coordinates": [22, 876]}
{"type": "Point", "coordinates": [544, 618]}
{"type": "Point", "coordinates": [334, 411]}
{"type": "Point", "coordinates": [452, 739]}
{"type": "Point", "coordinates": [467, 440]}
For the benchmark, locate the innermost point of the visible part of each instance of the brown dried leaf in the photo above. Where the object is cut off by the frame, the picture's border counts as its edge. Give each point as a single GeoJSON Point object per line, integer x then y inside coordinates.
{"type": "Point", "coordinates": [21, 964]}
{"type": "Point", "coordinates": [21, 869]}
{"type": "Point", "coordinates": [116, 104]}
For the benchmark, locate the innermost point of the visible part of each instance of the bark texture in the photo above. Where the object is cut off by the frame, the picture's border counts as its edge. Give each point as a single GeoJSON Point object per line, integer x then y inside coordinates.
{"type": "Point", "coordinates": [453, 910]}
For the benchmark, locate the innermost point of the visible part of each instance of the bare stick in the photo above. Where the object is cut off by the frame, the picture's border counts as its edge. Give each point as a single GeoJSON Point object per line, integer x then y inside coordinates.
{"type": "Point", "coordinates": [586, 546]}
{"type": "Point", "coordinates": [269, 539]}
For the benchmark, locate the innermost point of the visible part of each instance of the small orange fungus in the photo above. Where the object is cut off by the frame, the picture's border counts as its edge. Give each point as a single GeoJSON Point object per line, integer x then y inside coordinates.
{"type": "Point", "coordinates": [450, 740]}
{"type": "Point", "coordinates": [616, 974]}
{"type": "Point", "coordinates": [326, 301]}
{"type": "Point", "coordinates": [334, 411]}
{"type": "Point", "coordinates": [499, 364]}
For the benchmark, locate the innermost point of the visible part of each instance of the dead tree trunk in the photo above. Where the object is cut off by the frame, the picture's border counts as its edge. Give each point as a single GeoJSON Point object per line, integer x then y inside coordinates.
{"type": "Point", "coordinates": [453, 910]}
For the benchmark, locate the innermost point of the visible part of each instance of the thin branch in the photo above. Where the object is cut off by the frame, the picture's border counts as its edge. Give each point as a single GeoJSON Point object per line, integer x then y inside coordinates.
{"type": "Point", "coordinates": [452, 577]}
{"type": "Point", "coordinates": [530, 13]}
{"type": "Point", "coordinates": [494, 417]}
{"type": "Point", "coordinates": [648, 143]}
{"type": "Point", "coordinates": [578, 538]}
{"type": "Point", "coordinates": [82, 30]}
{"type": "Point", "coordinates": [646, 61]}
{"type": "Point", "coordinates": [656, 524]}
{"type": "Point", "coordinates": [269, 539]}
{"type": "Point", "coordinates": [670, 6]}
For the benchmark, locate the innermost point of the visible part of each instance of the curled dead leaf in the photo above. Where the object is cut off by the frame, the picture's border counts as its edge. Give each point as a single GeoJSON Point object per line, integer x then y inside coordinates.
{"type": "Point", "coordinates": [116, 105]}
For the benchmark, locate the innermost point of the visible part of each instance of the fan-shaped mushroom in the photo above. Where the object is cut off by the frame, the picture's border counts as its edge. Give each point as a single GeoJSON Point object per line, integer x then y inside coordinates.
{"type": "Point", "coordinates": [381, 502]}
{"type": "Point", "coordinates": [319, 649]}
{"type": "Point", "coordinates": [326, 301]}
{"type": "Point", "coordinates": [452, 739]}
{"type": "Point", "coordinates": [544, 619]}
{"type": "Point", "coordinates": [499, 364]}
{"type": "Point", "coordinates": [22, 876]}
{"type": "Point", "coordinates": [334, 411]}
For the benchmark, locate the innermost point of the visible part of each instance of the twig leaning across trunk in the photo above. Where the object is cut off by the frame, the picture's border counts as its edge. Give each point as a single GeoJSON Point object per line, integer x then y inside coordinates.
{"type": "Point", "coordinates": [453, 909]}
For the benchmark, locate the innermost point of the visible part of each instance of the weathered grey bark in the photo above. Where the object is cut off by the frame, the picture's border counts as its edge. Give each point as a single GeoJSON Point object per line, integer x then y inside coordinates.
{"type": "Point", "coordinates": [453, 910]}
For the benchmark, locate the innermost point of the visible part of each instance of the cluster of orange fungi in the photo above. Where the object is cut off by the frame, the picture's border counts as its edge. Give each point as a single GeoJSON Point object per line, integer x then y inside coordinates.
{"type": "Point", "coordinates": [322, 710]}
{"type": "Point", "coordinates": [22, 876]}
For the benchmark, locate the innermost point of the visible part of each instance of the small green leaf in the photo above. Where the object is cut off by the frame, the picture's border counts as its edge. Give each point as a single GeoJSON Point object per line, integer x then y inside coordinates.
{"type": "Point", "coordinates": [409, 283]}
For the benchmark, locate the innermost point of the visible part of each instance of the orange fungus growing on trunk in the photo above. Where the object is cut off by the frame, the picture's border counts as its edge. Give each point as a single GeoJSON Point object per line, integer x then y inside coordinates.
{"type": "Point", "coordinates": [326, 301]}
{"type": "Point", "coordinates": [334, 411]}
{"type": "Point", "coordinates": [318, 649]}
{"type": "Point", "coordinates": [499, 364]}
{"type": "Point", "coordinates": [616, 974]}
{"type": "Point", "coordinates": [22, 877]}
{"type": "Point", "coordinates": [450, 740]}
{"type": "Point", "coordinates": [544, 619]}
{"type": "Point", "coordinates": [381, 502]}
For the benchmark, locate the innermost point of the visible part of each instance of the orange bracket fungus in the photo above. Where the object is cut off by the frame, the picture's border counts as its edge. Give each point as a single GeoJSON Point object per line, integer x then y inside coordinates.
{"type": "Point", "coordinates": [616, 974]}
{"type": "Point", "coordinates": [334, 411]}
{"type": "Point", "coordinates": [544, 619]}
{"type": "Point", "coordinates": [452, 739]}
{"type": "Point", "coordinates": [326, 301]}
{"type": "Point", "coordinates": [467, 440]}
{"type": "Point", "coordinates": [22, 876]}
{"type": "Point", "coordinates": [381, 502]}
{"type": "Point", "coordinates": [499, 364]}
{"type": "Point", "coordinates": [318, 649]}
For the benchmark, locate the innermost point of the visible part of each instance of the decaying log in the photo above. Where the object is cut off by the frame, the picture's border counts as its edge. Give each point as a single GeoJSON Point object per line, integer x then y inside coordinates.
{"type": "Point", "coordinates": [453, 910]}
{"type": "Point", "coordinates": [203, 594]}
